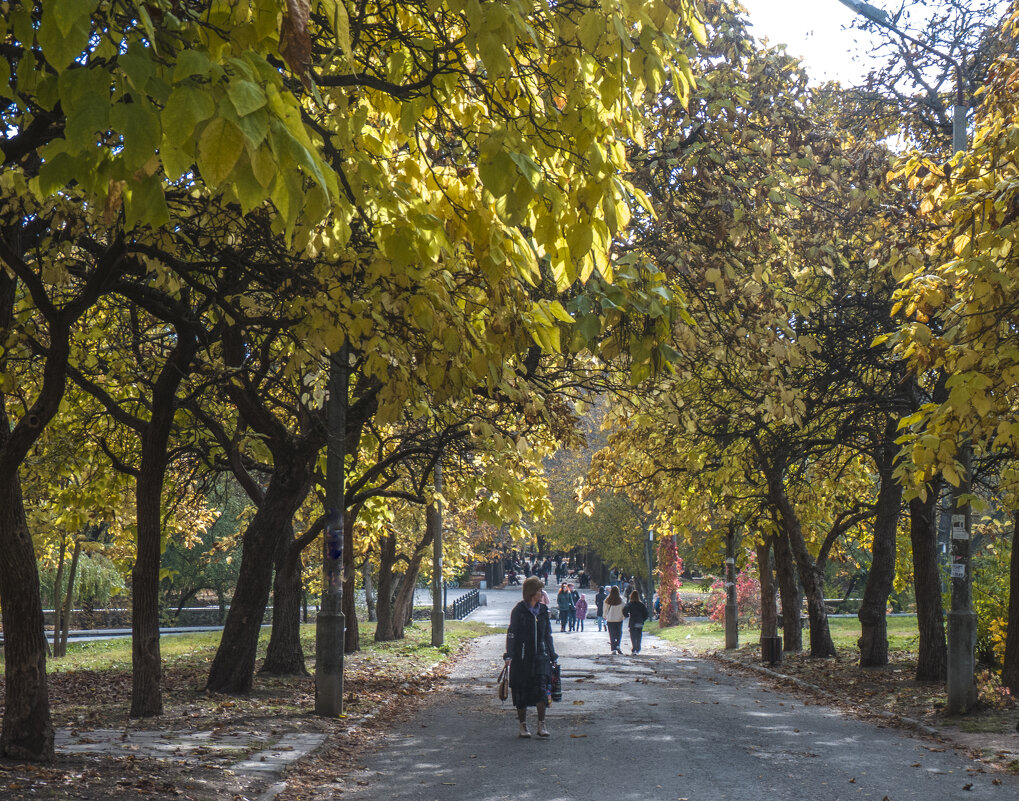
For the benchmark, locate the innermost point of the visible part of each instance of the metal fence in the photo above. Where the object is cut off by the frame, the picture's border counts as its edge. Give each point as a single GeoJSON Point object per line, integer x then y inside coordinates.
{"type": "Point", "coordinates": [464, 605]}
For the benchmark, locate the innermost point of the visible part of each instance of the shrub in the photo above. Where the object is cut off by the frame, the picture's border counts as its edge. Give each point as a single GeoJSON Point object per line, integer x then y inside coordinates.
{"type": "Point", "coordinates": [748, 595]}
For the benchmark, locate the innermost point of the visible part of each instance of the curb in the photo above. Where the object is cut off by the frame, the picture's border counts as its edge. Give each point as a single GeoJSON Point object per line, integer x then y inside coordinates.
{"type": "Point", "coordinates": [898, 720]}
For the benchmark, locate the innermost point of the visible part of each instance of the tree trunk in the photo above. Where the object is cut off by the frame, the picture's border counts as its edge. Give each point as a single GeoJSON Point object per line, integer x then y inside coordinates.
{"type": "Point", "coordinates": [387, 561]}
{"type": "Point", "coordinates": [284, 656]}
{"type": "Point", "coordinates": [146, 664]}
{"type": "Point", "coordinates": [27, 727]}
{"type": "Point", "coordinates": [233, 667]}
{"type": "Point", "coordinates": [1010, 669]}
{"type": "Point", "coordinates": [60, 637]}
{"type": "Point", "coordinates": [811, 577]}
{"type": "Point", "coordinates": [403, 603]}
{"type": "Point", "coordinates": [785, 570]}
{"type": "Point", "coordinates": [369, 596]}
{"type": "Point", "coordinates": [769, 612]}
{"type": "Point", "coordinates": [58, 607]}
{"type": "Point", "coordinates": [932, 650]}
{"type": "Point", "coordinates": [351, 633]}
{"type": "Point", "coordinates": [873, 640]}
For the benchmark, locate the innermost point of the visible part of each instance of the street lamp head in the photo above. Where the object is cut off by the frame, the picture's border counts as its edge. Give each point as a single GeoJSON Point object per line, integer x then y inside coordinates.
{"type": "Point", "coordinates": [873, 13]}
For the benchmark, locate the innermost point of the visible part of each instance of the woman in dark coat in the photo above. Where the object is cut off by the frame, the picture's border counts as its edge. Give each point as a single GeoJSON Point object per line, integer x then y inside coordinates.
{"type": "Point", "coordinates": [530, 654]}
{"type": "Point", "coordinates": [637, 612]}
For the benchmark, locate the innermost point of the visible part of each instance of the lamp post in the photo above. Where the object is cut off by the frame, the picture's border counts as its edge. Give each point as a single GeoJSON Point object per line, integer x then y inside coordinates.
{"type": "Point", "coordinates": [962, 620]}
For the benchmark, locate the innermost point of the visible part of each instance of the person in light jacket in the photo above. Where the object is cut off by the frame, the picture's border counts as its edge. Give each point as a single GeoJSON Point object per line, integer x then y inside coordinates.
{"type": "Point", "coordinates": [530, 654]}
{"type": "Point", "coordinates": [614, 619]}
{"type": "Point", "coordinates": [637, 614]}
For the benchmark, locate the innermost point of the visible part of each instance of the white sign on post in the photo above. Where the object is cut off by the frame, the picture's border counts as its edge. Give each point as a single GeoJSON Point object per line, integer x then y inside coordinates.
{"type": "Point", "coordinates": [958, 571]}
{"type": "Point", "coordinates": [959, 528]}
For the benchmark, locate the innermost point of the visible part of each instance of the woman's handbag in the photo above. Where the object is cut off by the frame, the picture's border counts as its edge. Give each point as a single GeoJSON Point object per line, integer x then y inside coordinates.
{"type": "Point", "coordinates": [504, 683]}
{"type": "Point", "coordinates": [557, 684]}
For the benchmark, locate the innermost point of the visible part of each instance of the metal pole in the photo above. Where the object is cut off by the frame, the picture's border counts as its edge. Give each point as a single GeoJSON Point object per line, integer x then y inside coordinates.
{"type": "Point", "coordinates": [731, 607]}
{"type": "Point", "coordinates": [435, 519]}
{"type": "Point", "coordinates": [329, 625]}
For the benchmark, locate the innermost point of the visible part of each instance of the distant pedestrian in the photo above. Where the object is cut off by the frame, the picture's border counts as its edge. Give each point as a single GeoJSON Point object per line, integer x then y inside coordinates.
{"type": "Point", "coordinates": [581, 611]}
{"type": "Point", "coordinates": [614, 619]}
{"type": "Point", "coordinates": [530, 654]}
{"type": "Point", "coordinates": [637, 614]}
{"type": "Point", "coordinates": [657, 604]}
{"type": "Point", "coordinates": [573, 610]}
{"type": "Point", "coordinates": [564, 602]}
{"type": "Point", "coordinates": [599, 602]}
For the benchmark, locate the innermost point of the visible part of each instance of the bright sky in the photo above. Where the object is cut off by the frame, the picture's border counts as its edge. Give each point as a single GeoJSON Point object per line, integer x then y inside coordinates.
{"type": "Point", "coordinates": [816, 31]}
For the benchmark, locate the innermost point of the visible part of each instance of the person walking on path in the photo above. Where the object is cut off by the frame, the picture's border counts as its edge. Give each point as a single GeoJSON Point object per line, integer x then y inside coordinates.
{"type": "Point", "coordinates": [637, 614]}
{"type": "Point", "coordinates": [581, 612]}
{"type": "Point", "coordinates": [614, 619]}
{"type": "Point", "coordinates": [564, 601]}
{"type": "Point", "coordinates": [575, 596]}
{"type": "Point", "coordinates": [530, 654]}
{"type": "Point", "coordinates": [599, 603]}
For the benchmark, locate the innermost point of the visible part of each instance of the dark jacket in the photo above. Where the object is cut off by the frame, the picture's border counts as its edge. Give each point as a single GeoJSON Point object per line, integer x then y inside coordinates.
{"type": "Point", "coordinates": [637, 613]}
{"type": "Point", "coordinates": [599, 601]}
{"type": "Point", "coordinates": [529, 644]}
{"type": "Point", "coordinates": [564, 601]}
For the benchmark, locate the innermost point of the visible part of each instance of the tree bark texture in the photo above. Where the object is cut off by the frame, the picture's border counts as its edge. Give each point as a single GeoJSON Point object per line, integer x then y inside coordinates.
{"type": "Point", "coordinates": [873, 640]}
{"type": "Point", "coordinates": [811, 577]}
{"type": "Point", "coordinates": [284, 656]}
{"type": "Point", "coordinates": [233, 667]}
{"type": "Point", "coordinates": [147, 668]}
{"type": "Point", "coordinates": [61, 634]}
{"type": "Point", "coordinates": [1010, 669]}
{"type": "Point", "coordinates": [789, 590]}
{"type": "Point", "coordinates": [27, 727]}
{"type": "Point", "coordinates": [769, 611]}
{"type": "Point", "coordinates": [369, 594]}
{"type": "Point", "coordinates": [351, 632]}
{"type": "Point", "coordinates": [58, 608]}
{"type": "Point", "coordinates": [387, 562]}
{"type": "Point", "coordinates": [932, 651]}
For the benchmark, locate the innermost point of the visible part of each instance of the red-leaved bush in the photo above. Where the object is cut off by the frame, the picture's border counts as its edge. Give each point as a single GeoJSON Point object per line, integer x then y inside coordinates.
{"type": "Point", "coordinates": [670, 565]}
{"type": "Point", "coordinates": [748, 595]}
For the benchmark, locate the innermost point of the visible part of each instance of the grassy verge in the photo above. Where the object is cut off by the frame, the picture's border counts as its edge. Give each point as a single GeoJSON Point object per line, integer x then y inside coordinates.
{"type": "Point", "coordinates": [702, 637]}
{"type": "Point", "coordinates": [199, 648]}
{"type": "Point", "coordinates": [91, 686]}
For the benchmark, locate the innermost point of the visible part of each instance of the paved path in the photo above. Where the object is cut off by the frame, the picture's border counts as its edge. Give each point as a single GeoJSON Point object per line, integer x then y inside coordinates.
{"type": "Point", "coordinates": [655, 727]}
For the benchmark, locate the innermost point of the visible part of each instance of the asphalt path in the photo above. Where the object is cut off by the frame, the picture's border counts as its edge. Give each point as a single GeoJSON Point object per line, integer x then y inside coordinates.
{"type": "Point", "coordinates": [659, 726]}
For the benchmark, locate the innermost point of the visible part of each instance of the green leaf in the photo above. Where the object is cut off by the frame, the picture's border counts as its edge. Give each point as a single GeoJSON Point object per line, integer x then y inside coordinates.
{"type": "Point", "coordinates": [528, 168]}
{"type": "Point", "coordinates": [219, 148]}
{"type": "Point", "coordinates": [139, 125]}
{"type": "Point", "coordinates": [192, 62]}
{"type": "Point", "coordinates": [186, 107]}
{"type": "Point", "coordinates": [247, 97]}
{"type": "Point", "coordinates": [64, 31]}
{"type": "Point", "coordinates": [144, 203]}
{"type": "Point", "coordinates": [497, 173]}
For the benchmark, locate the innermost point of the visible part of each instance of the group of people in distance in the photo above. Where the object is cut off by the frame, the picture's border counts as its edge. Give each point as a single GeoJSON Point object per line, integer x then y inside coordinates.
{"type": "Point", "coordinates": [530, 651]}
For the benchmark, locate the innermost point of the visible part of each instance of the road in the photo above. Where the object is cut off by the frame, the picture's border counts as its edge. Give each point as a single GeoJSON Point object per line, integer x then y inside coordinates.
{"type": "Point", "coordinates": [659, 726]}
